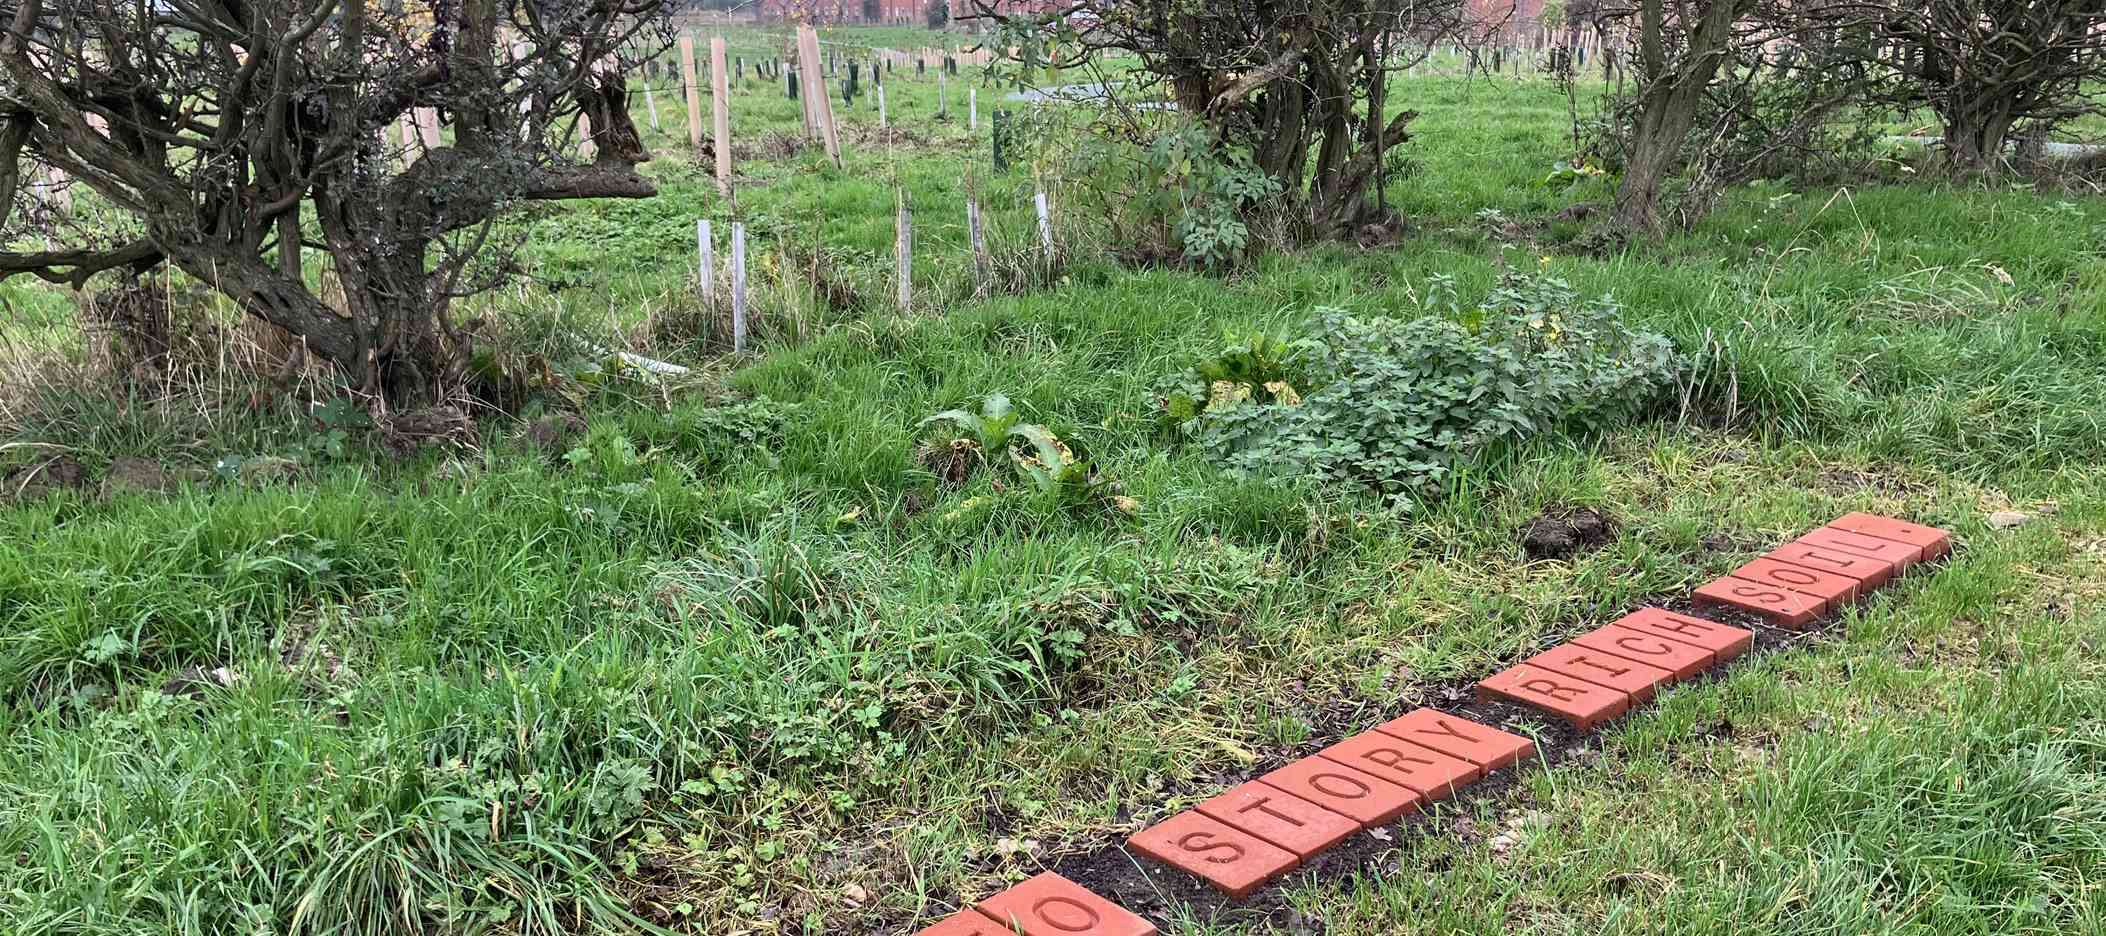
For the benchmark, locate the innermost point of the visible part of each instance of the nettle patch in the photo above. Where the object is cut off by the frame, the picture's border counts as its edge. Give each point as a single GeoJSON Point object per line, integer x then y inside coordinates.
{"type": "Point", "coordinates": [1398, 404]}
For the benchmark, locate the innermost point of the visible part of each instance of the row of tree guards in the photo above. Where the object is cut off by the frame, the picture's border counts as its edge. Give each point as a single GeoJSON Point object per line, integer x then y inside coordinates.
{"type": "Point", "coordinates": [804, 78]}
{"type": "Point", "coordinates": [903, 257]}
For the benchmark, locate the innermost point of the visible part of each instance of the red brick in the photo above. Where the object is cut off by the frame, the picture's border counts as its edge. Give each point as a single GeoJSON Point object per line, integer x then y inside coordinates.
{"type": "Point", "coordinates": [1776, 605]}
{"type": "Point", "coordinates": [1834, 590]}
{"type": "Point", "coordinates": [1933, 541]}
{"type": "Point", "coordinates": [1343, 790]}
{"type": "Point", "coordinates": [1286, 820]}
{"type": "Point", "coordinates": [1235, 862]}
{"type": "Point", "coordinates": [1870, 573]}
{"type": "Point", "coordinates": [1637, 680]}
{"type": "Point", "coordinates": [1683, 660]}
{"type": "Point", "coordinates": [1897, 554]}
{"type": "Point", "coordinates": [1487, 747]}
{"type": "Point", "coordinates": [1581, 703]}
{"type": "Point", "coordinates": [1425, 771]}
{"type": "Point", "coordinates": [1724, 642]}
{"type": "Point", "coordinates": [1051, 905]}
{"type": "Point", "coordinates": [965, 923]}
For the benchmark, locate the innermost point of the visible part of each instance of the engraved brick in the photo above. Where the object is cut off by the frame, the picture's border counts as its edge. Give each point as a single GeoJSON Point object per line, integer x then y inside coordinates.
{"type": "Point", "coordinates": [1870, 573]}
{"type": "Point", "coordinates": [1351, 793]}
{"type": "Point", "coordinates": [1487, 747]}
{"type": "Point", "coordinates": [965, 923]}
{"type": "Point", "coordinates": [1834, 590]}
{"type": "Point", "coordinates": [1933, 541]}
{"type": "Point", "coordinates": [1286, 820]}
{"type": "Point", "coordinates": [1634, 679]}
{"type": "Point", "coordinates": [1425, 771]}
{"type": "Point", "coordinates": [1897, 554]}
{"type": "Point", "coordinates": [1235, 862]}
{"type": "Point", "coordinates": [1051, 905]}
{"type": "Point", "coordinates": [1581, 703]}
{"type": "Point", "coordinates": [1723, 641]}
{"type": "Point", "coordinates": [1778, 606]}
{"type": "Point", "coordinates": [1680, 660]}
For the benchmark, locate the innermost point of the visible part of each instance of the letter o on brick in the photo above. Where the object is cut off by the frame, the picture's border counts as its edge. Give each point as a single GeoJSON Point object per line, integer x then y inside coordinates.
{"type": "Point", "coordinates": [1360, 790]}
{"type": "Point", "coordinates": [1065, 914]}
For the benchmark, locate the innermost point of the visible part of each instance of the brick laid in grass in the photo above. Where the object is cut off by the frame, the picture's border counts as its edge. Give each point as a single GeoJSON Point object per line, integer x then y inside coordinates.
{"type": "Point", "coordinates": [1581, 703]}
{"type": "Point", "coordinates": [1894, 553]}
{"type": "Point", "coordinates": [966, 923]}
{"type": "Point", "coordinates": [1281, 818]}
{"type": "Point", "coordinates": [1933, 541]}
{"type": "Point", "coordinates": [1834, 590]}
{"type": "Point", "coordinates": [1634, 679]}
{"type": "Point", "coordinates": [1051, 905]}
{"type": "Point", "coordinates": [1778, 606]}
{"type": "Point", "coordinates": [1233, 861]}
{"type": "Point", "coordinates": [1425, 771]}
{"type": "Point", "coordinates": [1351, 793]}
{"type": "Point", "coordinates": [1723, 641]}
{"type": "Point", "coordinates": [1870, 573]}
{"type": "Point", "coordinates": [1487, 747]}
{"type": "Point", "coordinates": [1681, 659]}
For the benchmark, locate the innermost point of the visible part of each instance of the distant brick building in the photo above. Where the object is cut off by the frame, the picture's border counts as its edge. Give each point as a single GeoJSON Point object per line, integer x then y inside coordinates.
{"type": "Point", "coordinates": [828, 12]}
{"type": "Point", "coordinates": [1513, 19]}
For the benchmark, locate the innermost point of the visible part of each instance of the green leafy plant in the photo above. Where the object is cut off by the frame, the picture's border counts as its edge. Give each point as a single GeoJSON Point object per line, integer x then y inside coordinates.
{"type": "Point", "coordinates": [1259, 367]}
{"type": "Point", "coordinates": [1397, 404]}
{"type": "Point", "coordinates": [1058, 473]}
{"type": "Point", "coordinates": [1052, 466]}
{"type": "Point", "coordinates": [990, 428]}
{"type": "Point", "coordinates": [1564, 175]}
{"type": "Point", "coordinates": [1213, 188]}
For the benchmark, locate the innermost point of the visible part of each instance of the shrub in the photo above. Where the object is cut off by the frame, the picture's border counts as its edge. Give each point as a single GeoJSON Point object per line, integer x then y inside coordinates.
{"type": "Point", "coordinates": [1396, 404]}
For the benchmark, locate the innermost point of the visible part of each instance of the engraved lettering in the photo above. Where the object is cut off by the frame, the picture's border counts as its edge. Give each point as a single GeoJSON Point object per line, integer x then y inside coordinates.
{"type": "Point", "coordinates": [1447, 730]}
{"type": "Point", "coordinates": [1260, 806]}
{"type": "Point", "coordinates": [1395, 759]}
{"type": "Point", "coordinates": [1552, 689]}
{"type": "Point", "coordinates": [1762, 595]}
{"type": "Point", "coordinates": [1663, 650]}
{"type": "Point", "coordinates": [1205, 843]}
{"type": "Point", "coordinates": [1074, 916]}
{"type": "Point", "coordinates": [1360, 790]}
{"type": "Point", "coordinates": [1794, 576]}
{"type": "Point", "coordinates": [1585, 660]}
{"type": "Point", "coordinates": [1681, 625]}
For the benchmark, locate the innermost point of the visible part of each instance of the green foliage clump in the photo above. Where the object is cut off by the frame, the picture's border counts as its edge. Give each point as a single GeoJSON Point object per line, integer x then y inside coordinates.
{"type": "Point", "coordinates": [1397, 404]}
{"type": "Point", "coordinates": [1051, 465]}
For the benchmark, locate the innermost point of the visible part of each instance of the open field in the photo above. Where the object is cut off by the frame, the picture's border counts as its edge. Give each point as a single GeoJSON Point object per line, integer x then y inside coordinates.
{"type": "Point", "coordinates": [731, 658]}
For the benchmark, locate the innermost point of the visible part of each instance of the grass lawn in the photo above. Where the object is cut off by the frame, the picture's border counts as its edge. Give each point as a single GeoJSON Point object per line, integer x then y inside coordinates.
{"type": "Point", "coordinates": [732, 660]}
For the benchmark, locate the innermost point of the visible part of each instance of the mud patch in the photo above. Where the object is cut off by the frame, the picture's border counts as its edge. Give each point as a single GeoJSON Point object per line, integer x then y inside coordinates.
{"type": "Point", "coordinates": [1564, 532]}
{"type": "Point", "coordinates": [50, 476]}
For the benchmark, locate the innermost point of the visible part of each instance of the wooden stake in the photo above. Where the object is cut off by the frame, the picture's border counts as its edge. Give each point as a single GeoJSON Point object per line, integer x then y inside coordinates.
{"type": "Point", "coordinates": [974, 96]}
{"type": "Point", "coordinates": [738, 287]}
{"type": "Point", "coordinates": [883, 121]}
{"type": "Point", "coordinates": [694, 93]}
{"type": "Point", "coordinates": [903, 251]}
{"type": "Point", "coordinates": [706, 262]}
{"type": "Point", "coordinates": [720, 106]}
{"type": "Point", "coordinates": [651, 102]}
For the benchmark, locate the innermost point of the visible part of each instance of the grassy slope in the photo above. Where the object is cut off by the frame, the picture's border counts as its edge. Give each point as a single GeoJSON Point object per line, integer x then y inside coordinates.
{"type": "Point", "coordinates": [720, 665]}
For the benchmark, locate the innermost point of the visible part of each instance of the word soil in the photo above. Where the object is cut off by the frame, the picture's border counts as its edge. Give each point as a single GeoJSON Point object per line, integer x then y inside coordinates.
{"type": "Point", "coordinates": [1253, 833]}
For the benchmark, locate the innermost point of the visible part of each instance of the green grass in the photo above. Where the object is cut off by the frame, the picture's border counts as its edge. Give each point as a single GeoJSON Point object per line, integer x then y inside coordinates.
{"type": "Point", "coordinates": [722, 665]}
